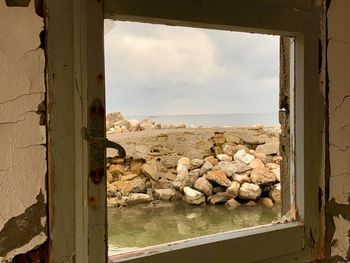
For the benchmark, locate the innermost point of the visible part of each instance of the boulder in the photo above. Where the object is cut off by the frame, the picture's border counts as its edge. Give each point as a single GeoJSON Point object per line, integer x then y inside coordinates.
{"type": "Point", "coordinates": [233, 190]}
{"type": "Point", "coordinates": [228, 167]}
{"type": "Point", "coordinates": [262, 176]}
{"type": "Point", "coordinates": [219, 177]}
{"type": "Point", "coordinates": [146, 124]}
{"type": "Point", "coordinates": [136, 166]}
{"type": "Point", "coordinates": [270, 148]}
{"type": "Point", "coordinates": [275, 195]}
{"type": "Point", "coordinates": [204, 186]}
{"type": "Point", "coordinates": [241, 177]}
{"type": "Point", "coordinates": [243, 156]}
{"type": "Point", "coordinates": [277, 173]}
{"type": "Point", "coordinates": [227, 149]}
{"type": "Point", "coordinates": [232, 139]}
{"type": "Point", "coordinates": [183, 165]}
{"type": "Point", "coordinates": [212, 160]}
{"type": "Point", "coordinates": [265, 201]}
{"type": "Point", "coordinates": [207, 166]}
{"type": "Point", "coordinates": [193, 196]}
{"type": "Point", "coordinates": [196, 163]}
{"type": "Point", "coordinates": [114, 117]}
{"type": "Point", "coordinates": [194, 175]}
{"type": "Point", "coordinates": [137, 185]}
{"type": "Point", "coordinates": [134, 125]}
{"type": "Point", "coordinates": [219, 198]}
{"type": "Point", "coordinates": [232, 203]}
{"type": "Point", "coordinates": [241, 167]}
{"type": "Point", "coordinates": [249, 191]}
{"type": "Point", "coordinates": [165, 194]}
{"type": "Point", "coordinates": [181, 181]}
{"type": "Point", "coordinates": [224, 157]}
{"type": "Point", "coordinates": [256, 163]}
{"type": "Point", "coordinates": [137, 199]}
{"type": "Point", "coordinates": [150, 170]}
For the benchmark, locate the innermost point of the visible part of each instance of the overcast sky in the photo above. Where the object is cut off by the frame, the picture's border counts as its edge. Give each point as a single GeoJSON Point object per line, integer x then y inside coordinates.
{"type": "Point", "coordinates": [156, 69]}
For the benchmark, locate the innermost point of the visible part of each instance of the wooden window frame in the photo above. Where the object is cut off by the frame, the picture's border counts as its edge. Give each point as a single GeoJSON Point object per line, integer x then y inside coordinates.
{"type": "Point", "coordinates": [75, 78]}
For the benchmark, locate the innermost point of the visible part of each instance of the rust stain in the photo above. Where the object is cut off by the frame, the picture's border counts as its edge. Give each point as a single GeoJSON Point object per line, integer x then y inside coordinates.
{"type": "Point", "coordinates": [96, 175]}
{"type": "Point", "coordinates": [92, 202]}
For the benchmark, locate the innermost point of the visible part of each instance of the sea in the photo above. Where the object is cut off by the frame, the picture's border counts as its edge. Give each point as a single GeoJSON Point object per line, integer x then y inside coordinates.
{"type": "Point", "coordinates": [212, 120]}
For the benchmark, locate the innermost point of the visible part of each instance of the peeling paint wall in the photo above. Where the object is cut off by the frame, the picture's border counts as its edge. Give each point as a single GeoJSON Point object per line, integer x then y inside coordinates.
{"type": "Point", "coordinates": [22, 132]}
{"type": "Point", "coordinates": [338, 56]}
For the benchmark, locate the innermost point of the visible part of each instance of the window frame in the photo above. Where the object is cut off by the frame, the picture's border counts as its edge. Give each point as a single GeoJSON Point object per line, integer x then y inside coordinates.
{"type": "Point", "coordinates": [77, 223]}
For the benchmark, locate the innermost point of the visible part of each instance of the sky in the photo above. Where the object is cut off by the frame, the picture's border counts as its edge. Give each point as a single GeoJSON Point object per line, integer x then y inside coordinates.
{"type": "Point", "coordinates": [157, 69]}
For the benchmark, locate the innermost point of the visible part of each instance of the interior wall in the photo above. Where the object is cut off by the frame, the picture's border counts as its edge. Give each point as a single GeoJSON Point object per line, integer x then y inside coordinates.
{"type": "Point", "coordinates": [338, 57]}
{"type": "Point", "coordinates": [22, 132]}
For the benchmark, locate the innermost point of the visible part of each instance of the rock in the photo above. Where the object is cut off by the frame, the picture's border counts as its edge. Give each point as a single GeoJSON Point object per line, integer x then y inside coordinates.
{"type": "Point", "coordinates": [228, 167]}
{"type": "Point", "coordinates": [116, 170]}
{"type": "Point", "coordinates": [181, 181]}
{"type": "Point", "coordinates": [272, 166]}
{"type": "Point", "coordinates": [268, 148]}
{"type": "Point", "coordinates": [162, 183]}
{"type": "Point", "coordinates": [275, 195]}
{"type": "Point", "coordinates": [261, 156]}
{"type": "Point", "coordinates": [204, 186]}
{"type": "Point", "coordinates": [135, 166]}
{"type": "Point", "coordinates": [146, 124]}
{"type": "Point", "coordinates": [196, 163]}
{"type": "Point", "coordinates": [241, 167]}
{"type": "Point", "coordinates": [277, 159]}
{"type": "Point", "coordinates": [122, 186]}
{"type": "Point", "coordinates": [278, 186]}
{"type": "Point", "coordinates": [193, 197]}
{"type": "Point", "coordinates": [219, 177]}
{"type": "Point", "coordinates": [241, 177]}
{"type": "Point", "coordinates": [233, 190]}
{"type": "Point", "coordinates": [219, 139]}
{"type": "Point", "coordinates": [114, 117]}
{"type": "Point", "coordinates": [194, 175]}
{"type": "Point", "coordinates": [239, 147]}
{"type": "Point", "coordinates": [250, 203]}
{"type": "Point", "coordinates": [207, 166]}
{"type": "Point", "coordinates": [138, 185]}
{"type": "Point", "coordinates": [170, 176]}
{"type": "Point", "coordinates": [217, 150]}
{"type": "Point", "coordinates": [180, 126]}
{"type": "Point", "coordinates": [111, 190]}
{"type": "Point", "coordinates": [262, 176]}
{"type": "Point", "coordinates": [232, 204]}
{"type": "Point", "coordinates": [134, 125]}
{"type": "Point", "coordinates": [232, 139]}
{"type": "Point", "coordinates": [109, 177]}
{"type": "Point", "coordinates": [265, 201]}
{"type": "Point", "coordinates": [212, 160]}
{"type": "Point", "coordinates": [137, 199]}
{"type": "Point", "coordinates": [165, 194]}
{"type": "Point", "coordinates": [227, 149]}
{"type": "Point", "coordinates": [116, 160]}
{"type": "Point", "coordinates": [224, 157]}
{"type": "Point", "coordinates": [150, 170]}
{"type": "Point", "coordinates": [242, 156]}
{"type": "Point", "coordinates": [277, 173]}
{"type": "Point", "coordinates": [218, 189]}
{"type": "Point", "coordinates": [219, 198]}
{"type": "Point", "coordinates": [141, 150]}
{"type": "Point", "coordinates": [256, 163]}
{"type": "Point", "coordinates": [249, 191]}
{"type": "Point", "coordinates": [183, 165]}
{"type": "Point", "coordinates": [128, 177]}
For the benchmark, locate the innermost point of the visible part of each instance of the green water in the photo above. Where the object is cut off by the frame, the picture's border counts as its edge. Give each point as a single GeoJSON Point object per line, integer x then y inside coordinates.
{"type": "Point", "coordinates": [152, 224]}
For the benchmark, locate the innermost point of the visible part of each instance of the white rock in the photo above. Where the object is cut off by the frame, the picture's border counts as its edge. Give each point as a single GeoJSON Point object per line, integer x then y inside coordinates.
{"type": "Point", "coordinates": [262, 176]}
{"type": "Point", "coordinates": [233, 190]}
{"type": "Point", "coordinates": [207, 166]}
{"type": "Point", "coordinates": [182, 180]}
{"type": "Point", "coordinates": [249, 191]}
{"type": "Point", "coordinates": [228, 167]}
{"type": "Point", "coordinates": [224, 157]}
{"type": "Point", "coordinates": [256, 163]}
{"type": "Point", "coordinates": [193, 197]}
{"type": "Point", "coordinates": [277, 173]}
{"type": "Point", "coordinates": [196, 163]}
{"type": "Point", "coordinates": [227, 149]}
{"type": "Point", "coordinates": [165, 194]}
{"type": "Point", "coordinates": [204, 186]}
{"type": "Point", "coordinates": [183, 165]}
{"type": "Point", "coordinates": [268, 148]}
{"type": "Point", "coordinates": [241, 177]}
{"type": "Point", "coordinates": [242, 156]}
{"type": "Point", "coordinates": [137, 199]}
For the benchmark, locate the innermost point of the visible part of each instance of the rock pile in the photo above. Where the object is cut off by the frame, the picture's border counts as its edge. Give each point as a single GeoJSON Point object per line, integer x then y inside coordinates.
{"type": "Point", "coordinates": [116, 123]}
{"type": "Point", "coordinates": [232, 175]}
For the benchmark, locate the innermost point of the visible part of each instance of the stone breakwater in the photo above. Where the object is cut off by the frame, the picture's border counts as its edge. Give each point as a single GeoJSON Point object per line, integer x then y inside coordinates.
{"type": "Point", "coordinates": [116, 123]}
{"type": "Point", "coordinates": [236, 167]}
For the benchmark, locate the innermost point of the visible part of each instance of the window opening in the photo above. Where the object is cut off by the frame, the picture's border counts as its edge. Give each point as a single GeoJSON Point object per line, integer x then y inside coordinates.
{"type": "Point", "coordinates": [197, 111]}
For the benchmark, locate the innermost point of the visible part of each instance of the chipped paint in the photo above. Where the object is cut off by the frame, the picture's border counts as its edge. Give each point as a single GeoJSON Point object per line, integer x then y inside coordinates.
{"type": "Point", "coordinates": [340, 243]}
{"type": "Point", "coordinates": [22, 137]}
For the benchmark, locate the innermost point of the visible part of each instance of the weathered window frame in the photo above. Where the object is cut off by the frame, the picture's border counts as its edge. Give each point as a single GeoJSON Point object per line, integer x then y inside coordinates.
{"type": "Point", "coordinates": [75, 78]}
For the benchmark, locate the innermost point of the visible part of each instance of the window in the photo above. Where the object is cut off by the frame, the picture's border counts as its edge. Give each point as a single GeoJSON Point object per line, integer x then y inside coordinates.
{"type": "Point", "coordinates": [85, 218]}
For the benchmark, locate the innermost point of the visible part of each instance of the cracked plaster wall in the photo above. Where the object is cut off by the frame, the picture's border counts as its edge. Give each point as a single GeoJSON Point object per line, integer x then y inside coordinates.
{"type": "Point", "coordinates": [22, 138]}
{"type": "Point", "coordinates": [338, 55]}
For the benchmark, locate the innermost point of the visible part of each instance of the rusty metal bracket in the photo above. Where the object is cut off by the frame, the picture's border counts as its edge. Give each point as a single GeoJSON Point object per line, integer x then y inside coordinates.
{"type": "Point", "coordinates": [103, 142]}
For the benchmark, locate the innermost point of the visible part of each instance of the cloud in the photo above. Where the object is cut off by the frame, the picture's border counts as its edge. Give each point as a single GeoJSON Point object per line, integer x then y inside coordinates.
{"type": "Point", "coordinates": [156, 69]}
